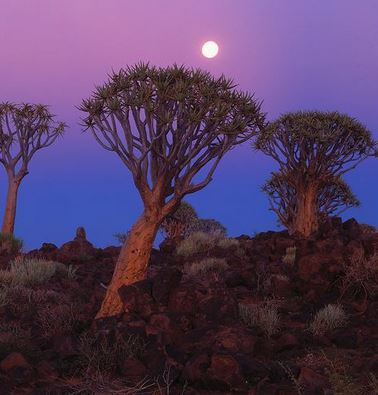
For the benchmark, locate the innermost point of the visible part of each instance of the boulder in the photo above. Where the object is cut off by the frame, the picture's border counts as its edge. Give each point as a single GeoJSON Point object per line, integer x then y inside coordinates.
{"type": "Point", "coordinates": [165, 280]}
{"type": "Point", "coordinates": [13, 361]}
{"type": "Point", "coordinates": [137, 298]}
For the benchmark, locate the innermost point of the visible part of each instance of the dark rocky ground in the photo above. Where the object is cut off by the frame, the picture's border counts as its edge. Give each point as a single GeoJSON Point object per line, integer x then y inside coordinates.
{"type": "Point", "coordinates": [184, 334]}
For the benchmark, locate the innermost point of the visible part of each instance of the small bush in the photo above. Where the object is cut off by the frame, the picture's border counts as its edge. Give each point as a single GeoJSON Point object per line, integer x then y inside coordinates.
{"type": "Point", "coordinates": [179, 223]}
{"type": "Point", "coordinates": [55, 320]}
{"type": "Point", "coordinates": [210, 226]}
{"type": "Point", "coordinates": [206, 266]}
{"type": "Point", "coordinates": [361, 275]}
{"type": "Point", "coordinates": [228, 242]}
{"type": "Point", "coordinates": [289, 258]}
{"type": "Point", "coordinates": [98, 353]}
{"type": "Point", "coordinates": [195, 243]}
{"type": "Point", "coordinates": [32, 271]}
{"type": "Point", "coordinates": [264, 316]}
{"type": "Point", "coordinates": [328, 318]}
{"type": "Point", "coordinates": [9, 244]}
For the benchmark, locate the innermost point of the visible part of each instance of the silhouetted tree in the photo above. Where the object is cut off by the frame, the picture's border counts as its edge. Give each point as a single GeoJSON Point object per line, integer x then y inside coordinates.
{"type": "Point", "coordinates": [313, 150]}
{"type": "Point", "coordinates": [24, 129]}
{"type": "Point", "coordinates": [170, 127]}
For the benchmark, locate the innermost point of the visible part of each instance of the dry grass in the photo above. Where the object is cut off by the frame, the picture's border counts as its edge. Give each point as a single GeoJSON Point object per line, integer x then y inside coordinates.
{"type": "Point", "coordinates": [327, 319]}
{"type": "Point", "coordinates": [289, 257]}
{"type": "Point", "coordinates": [202, 242]}
{"type": "Point", "coordinates": [361, 275]}
{"type": "Point", "coordinates": [206, 266]}
{"type": "Point", "coordinates": [195, 243]}
{"type": "Point", "coordinates": [30, 272]}
{"type": "Point", "coordinates": [102, 354]}
{"type": "Point", "coordinates": [263, 316]}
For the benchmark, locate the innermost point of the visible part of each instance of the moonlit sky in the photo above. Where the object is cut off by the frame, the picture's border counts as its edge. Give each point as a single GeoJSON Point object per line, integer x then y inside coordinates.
{"type": "Point", "coordinates": [294, 54]}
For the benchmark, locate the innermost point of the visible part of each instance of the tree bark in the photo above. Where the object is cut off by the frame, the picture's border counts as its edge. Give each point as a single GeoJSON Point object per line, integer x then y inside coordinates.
{"type": "Point", "coordinates": [10, 208]}
{"type": "Point", "coordinates": [307, 221]}
{"type": "Point", "coordinates": [132, 262]}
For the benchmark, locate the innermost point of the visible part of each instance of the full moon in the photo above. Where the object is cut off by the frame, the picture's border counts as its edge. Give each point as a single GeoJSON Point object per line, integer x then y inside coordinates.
{"type": "Point", "coordinates": [210, 49]}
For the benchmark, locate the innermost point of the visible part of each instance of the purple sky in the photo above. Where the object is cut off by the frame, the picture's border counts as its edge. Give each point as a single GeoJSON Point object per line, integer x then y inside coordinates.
{"type": "Point", "coordinates": [294, 54]}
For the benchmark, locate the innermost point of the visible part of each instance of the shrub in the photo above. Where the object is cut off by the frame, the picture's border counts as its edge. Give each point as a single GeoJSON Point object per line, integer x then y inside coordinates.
{"type": "Point", "coordinates": [264, 316]}
{"type": "Point", "coordinates": [99, 353]}
{"type": "Point", "coordinates": [55, 320]}
{"type": "Point", "coordinates": [289, 258]}
{"type": "Point", "coordinates": [9, 244]}
{"type": "Point", "coordinates": [361, 275]}
{"type": "Point", "coordinates": [228, 242]}
{"type": "Point", "coordinates": [14, 337]}
{"type": "Point", "coordinates": [206, 266]}
{"type": "Point", "coordinates": [179, 223]}
{"type": "Point", "coordinates": [196, 243]}
{"type": "Point", "coordinates": [32, 271]}
{"type": "Point", "coordinates": [210, 226]}
{"type": "Point", "coordinates": [328, 318]}
{"type": "Point", "coordinates": [200, 241]}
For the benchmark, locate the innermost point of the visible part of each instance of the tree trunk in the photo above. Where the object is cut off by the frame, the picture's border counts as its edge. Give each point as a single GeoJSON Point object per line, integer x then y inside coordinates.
{"type": "Point", "coordinates": [10, 208]}
{"type": "Point", "coordinates": [307, 221]}
{"type": "Point", "coordinates": [132, 262]}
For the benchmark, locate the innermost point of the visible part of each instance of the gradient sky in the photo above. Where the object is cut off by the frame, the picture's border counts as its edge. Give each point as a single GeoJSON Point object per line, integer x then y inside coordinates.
{"type": "Point", "coordinates": [294, 54]}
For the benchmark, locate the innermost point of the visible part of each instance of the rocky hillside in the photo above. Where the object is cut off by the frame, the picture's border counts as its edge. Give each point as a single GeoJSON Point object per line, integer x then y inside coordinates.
{"type": "Point", "coordinates": [266, 315]}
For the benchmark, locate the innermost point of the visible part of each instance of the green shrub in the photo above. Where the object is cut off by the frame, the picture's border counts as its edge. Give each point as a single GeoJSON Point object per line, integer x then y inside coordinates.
{"type": "Point", "coordinates": [32, 271]}
{"type": "Point", "coordinates": [10, 244]}
{"type": "Point", "coordinates": [328, 318]}
{"type": "Point", "coordinates": [263, 316]}
{"type": "Point", "coordinates": [206, 266]}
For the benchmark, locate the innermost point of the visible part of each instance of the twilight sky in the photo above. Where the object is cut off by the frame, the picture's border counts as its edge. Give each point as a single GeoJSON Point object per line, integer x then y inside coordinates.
{"type": "Point", "coordinates": [294, 54]}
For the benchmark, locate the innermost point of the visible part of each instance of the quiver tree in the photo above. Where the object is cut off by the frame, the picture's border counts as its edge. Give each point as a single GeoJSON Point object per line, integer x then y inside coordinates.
{"type": "Point", "coordinates": [313, 150]}
{"type": "Point", "coordinates": [24, 129]}
{"type": "Point", "coordinates": [179, 222]}
{"type": "Point", "coordinates": [170, 127]}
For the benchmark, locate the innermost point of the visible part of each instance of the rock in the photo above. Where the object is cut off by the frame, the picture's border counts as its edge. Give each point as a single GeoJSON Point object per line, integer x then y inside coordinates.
{"type": "Point", "coordinates": [133, 370]}
{"type": "Point", "coordinates": [76, 250]}
{"type": "Point", "coordinates": [286, 341]}
{"type": "Point", "coordinates": [281, 285]}
{"type": "Point", "coordinates": [352, 229]}
{"type": "Point", "coordinates": [195, 369]}
{"type": "Point", "coordinates": [65, 346]}
{"type": "Point", "coordinates": [225, 370]}
{"type": "Point", "coordinates": [345, 338]}
{"type": "Point", "coordinates": [219, 305]}
{"type": "Point", "coordinates": [166, 280]}
{"type": "Point", "coordinates": [162, 326]}
{"type": "Point", "coordinates": [48, 248]}
{"type": "Point", "coordinates": [137, 298]}
{"type": "Point", "coordinates": [234, 340]}
{"type": "Point", "coordinates": [309, 265]}
{"type": "Point", "coordinates": [13, 361]}
{"type": "Point", "coordinates": [46, 370]}
{"type": "Point", "coordinates": [183, 299]}
{"type": "Point", "coordinates": [81, 234]}
{"type": "Point", "coordinates": [311, 380]}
